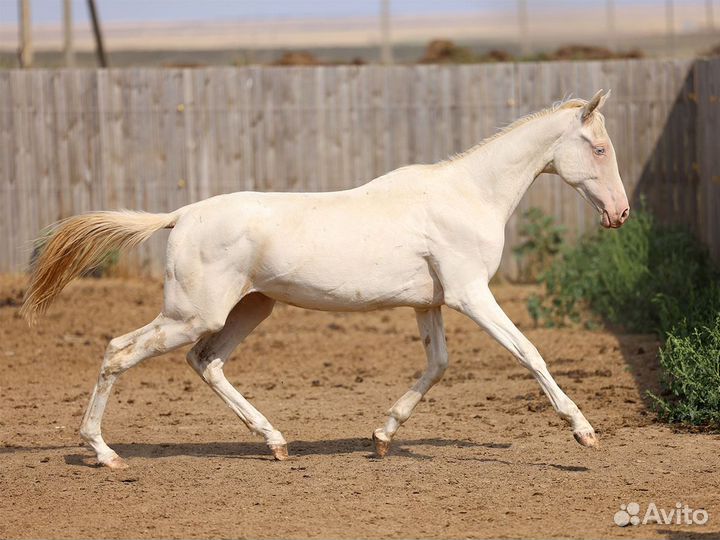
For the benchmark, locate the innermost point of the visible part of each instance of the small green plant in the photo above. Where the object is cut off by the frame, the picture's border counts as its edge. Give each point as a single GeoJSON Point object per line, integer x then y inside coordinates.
{"type": "Point", "coordinates": [542, 239]}
{"type": "Point", "coordinates": [691, 377]}
{"type": "Point", "coordinates": [647, 278]}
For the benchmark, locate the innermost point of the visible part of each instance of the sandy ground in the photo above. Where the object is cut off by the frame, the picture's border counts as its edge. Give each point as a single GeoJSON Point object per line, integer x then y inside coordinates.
{"type": "Point", "coordinates": [483, 456]}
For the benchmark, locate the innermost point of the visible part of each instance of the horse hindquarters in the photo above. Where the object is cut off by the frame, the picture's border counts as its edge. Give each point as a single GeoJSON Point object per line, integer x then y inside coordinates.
{"type": "Point", "coordinates": [192, 308]}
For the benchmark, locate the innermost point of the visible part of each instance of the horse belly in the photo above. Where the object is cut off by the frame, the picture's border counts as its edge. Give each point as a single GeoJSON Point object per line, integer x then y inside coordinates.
{"type": "Point", "coordinates": [362, 288]}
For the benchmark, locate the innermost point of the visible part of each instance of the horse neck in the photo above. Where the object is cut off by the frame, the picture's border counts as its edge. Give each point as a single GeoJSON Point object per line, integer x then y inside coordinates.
{"type": "Point", "coordinates": [505, 167]}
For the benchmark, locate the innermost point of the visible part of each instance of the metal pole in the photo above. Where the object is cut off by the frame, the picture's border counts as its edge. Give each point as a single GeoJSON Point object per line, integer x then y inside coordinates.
{"type": "Point", "coordinates": [670, 26]}
{"type": "Point", "coordinates": [610, 12]}
{"type": "Point", "coordinates": [522, 14]}
{"type": "Point", "coordinates": [68, 34]}
{"type": "Point", "coordinates": [26, 46]}
{"type": "Point", "coordinates": [386, 55]}
{"type": "Point", "coordinates": [98, 33]}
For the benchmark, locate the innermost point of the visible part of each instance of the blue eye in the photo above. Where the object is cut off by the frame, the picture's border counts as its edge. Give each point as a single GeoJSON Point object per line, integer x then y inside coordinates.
{"type": "Point", "coordinates": [599, 150]}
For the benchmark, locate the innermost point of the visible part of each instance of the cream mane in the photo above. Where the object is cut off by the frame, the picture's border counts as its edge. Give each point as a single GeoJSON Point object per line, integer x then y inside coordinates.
{"type": "Point", "coordinates": [569, 103]}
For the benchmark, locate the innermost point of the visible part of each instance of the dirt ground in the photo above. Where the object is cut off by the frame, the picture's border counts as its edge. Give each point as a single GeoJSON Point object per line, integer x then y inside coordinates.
{"type": "Point", "coordinates": [483, 456]}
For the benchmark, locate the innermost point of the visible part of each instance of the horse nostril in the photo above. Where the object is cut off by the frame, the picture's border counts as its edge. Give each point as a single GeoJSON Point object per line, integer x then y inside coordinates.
{"type": "Point", "coordinates": [625, 214]}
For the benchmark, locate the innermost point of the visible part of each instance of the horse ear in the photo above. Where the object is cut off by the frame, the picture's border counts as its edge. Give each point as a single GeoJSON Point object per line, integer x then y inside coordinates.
{"type": "Point", "coordinates": [597, 101]}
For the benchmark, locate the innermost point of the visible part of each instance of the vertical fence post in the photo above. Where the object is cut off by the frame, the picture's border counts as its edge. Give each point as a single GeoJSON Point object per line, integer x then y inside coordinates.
{"type": "Point", "coordinates": [25, 31]}
{"type": "Point", "coordinates": [386, 56]}
{"type": "Point", "coordinates": [611, 30]}
{"type": "Point", "coordinates": [98, 33]}
{"type": "Point", "coordinates": [523, 30]}
{"type": "Point", "coordinates": [670, 27]}
{"type": "Point", "coordinates": [68, 46]}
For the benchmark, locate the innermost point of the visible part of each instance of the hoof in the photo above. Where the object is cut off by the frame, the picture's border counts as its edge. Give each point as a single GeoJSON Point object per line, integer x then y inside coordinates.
{"type": "Point", "coordinates": [279, 451]}
{"type": "Point", "coordinates": [382, 447]}
{"type": "Point", "coordinates": [116, 463]}
{"type": "Point", "coordinates": [586, 438]}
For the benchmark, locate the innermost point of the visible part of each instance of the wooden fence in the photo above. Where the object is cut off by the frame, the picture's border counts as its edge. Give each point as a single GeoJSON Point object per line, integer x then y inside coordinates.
{"type": "Point", "coordinates": [157, 139]}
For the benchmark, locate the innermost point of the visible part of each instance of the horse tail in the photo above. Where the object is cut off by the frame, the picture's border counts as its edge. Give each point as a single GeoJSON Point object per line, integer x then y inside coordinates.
{"type": "Point", "coordinates": [79, 243]}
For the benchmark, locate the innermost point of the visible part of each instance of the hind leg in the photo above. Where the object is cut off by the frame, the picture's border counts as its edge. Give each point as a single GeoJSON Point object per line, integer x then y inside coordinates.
{"type": "Point", "coordinates": [162, 335]}
{"type": "Point", "coordinates": [210, 354]}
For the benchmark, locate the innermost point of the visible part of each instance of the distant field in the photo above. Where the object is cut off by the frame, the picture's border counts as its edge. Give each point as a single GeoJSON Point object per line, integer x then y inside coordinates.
{"type": "Point", "coordinates": [331, 40]}
{"type": "Point", "coordinates": [652, 46]}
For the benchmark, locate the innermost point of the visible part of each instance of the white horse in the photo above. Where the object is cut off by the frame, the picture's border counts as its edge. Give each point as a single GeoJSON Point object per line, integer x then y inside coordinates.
{"type": "Point", "coordinates": [420, 236]}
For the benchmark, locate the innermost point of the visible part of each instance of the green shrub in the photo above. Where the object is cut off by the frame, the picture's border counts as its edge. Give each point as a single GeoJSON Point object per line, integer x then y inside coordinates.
{"type": "Point", "coordinates": [542, 239]}
{"type": "Point", "coordinates": [647, 278]}
{"type": "Point", "coordinates": [691, 376]}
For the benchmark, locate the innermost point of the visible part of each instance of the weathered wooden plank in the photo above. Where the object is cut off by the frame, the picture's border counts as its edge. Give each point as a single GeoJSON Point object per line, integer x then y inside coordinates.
{"type": "Point", "coordinates": [707, 94]}
{"type": "Point", "coordinates": [346, 130]}
{"type": "Point", "coordinates": [415, 106]}
{"type": "Point", "coordinates": [18, 192]}
{"type": "Point", "coordinates": [79, 175]}
{"type": "Point", "coordinates": [617, 115]}
{"type": "Point", "coordinates": [466, 107]}
{"type": "Point", "coordinates": [381, 121]}
{"type": "Point", "coordinates": [158, 184]}
{"type": "Point", "coordinates": [443, 113]}
{"type": "Point", "coordinates": [435, 128]}
{"type": "Point", "coordinates": [710, 147]}
{"type": "Point", "coordinates": [294, 130]}
{"type": "Point", "coordinates": [38, 155]}
{"type": "Point", "coordinates": [172, 117]}
{"type": "Point", "coordinates": [188, 110]}
{"type": "Point", "coordinates": [245, 147]}
{"type": "Point", "coordinates": [320, 179]}
{"type": "Point", "coordinates": [95, 181]}
{"type": "Point", "coordinates": [7, 173]}
{"type": "Point", "coordinates": [277, 122]}
{"type": "Point", "coordinates": [358, 126]}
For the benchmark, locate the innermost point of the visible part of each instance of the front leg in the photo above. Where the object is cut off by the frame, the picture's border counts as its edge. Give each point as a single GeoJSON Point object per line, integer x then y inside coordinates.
{"type": "Point", "coordinates": [477, 302]}
{"type": "Point", "coordinates": [432, 334]}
